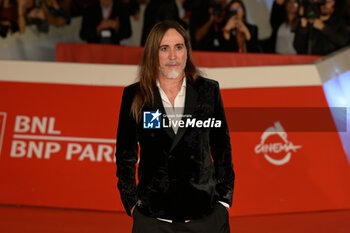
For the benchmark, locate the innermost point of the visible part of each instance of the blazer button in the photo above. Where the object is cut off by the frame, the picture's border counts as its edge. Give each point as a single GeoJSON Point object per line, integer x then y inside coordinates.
{"type": "Point", "coordinates": [192, 179]}
{"type": "Point", "coordinates": [171, 157]}
{"type": "Point", "coordinates": [192, 157]}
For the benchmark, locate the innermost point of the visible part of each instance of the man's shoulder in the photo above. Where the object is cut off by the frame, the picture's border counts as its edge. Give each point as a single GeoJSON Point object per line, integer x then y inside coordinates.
{"type": "Point", "coordinates": [198, 82]}
{"type": "Point", "coordinates": [132, 88]}
{"type": "Point", "coordinates": [206, 82]}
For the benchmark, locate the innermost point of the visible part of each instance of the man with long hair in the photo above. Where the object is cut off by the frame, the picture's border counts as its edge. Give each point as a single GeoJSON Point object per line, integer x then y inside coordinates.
{"type": "Point", "coordinates": [177, 119]}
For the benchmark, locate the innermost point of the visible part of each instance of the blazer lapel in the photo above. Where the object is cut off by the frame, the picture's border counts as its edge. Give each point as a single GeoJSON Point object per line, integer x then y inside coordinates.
{"type": "Point", "coordinates": [190, 103]}
{"type": "Point", "coordinates": [159, 105]}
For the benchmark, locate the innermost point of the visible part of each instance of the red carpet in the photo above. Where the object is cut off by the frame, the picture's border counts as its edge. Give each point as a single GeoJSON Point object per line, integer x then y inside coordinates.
{"type": "Point", "coordinates": [49, 220]}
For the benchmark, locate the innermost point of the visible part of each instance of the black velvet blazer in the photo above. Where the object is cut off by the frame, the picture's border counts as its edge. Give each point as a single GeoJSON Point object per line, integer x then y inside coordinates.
{"type": "Point", "coordinates": [180, 176]}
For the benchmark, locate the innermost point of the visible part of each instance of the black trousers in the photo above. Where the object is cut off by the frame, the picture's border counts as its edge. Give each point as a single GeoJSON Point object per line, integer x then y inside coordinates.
{"type": "Point", "coordinates": [216, 222]}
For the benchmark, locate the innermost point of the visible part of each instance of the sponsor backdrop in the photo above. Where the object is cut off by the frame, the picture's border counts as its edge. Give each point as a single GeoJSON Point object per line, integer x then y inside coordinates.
{"type": "Point", "coordinates": [58, 150]}
{"type": "Point", "coordinates": [58, 145]}
{"type": "Point", "coordinates": [58, 128]}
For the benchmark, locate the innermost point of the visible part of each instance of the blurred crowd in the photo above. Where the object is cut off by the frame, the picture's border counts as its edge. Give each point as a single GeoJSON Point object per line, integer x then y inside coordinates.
{"type": "Point", "coordinates": [298, 26]}
{"type": "Point", "coordinates": [15, 15]}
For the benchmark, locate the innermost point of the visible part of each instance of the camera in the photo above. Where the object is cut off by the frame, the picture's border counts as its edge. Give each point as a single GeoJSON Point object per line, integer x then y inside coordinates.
{"type": "Point", "coordinates": [312, 8]}
{"type": "Point", "coordinates": [230, 13]}
{"type": "Point", "coordinates": [216, 9]}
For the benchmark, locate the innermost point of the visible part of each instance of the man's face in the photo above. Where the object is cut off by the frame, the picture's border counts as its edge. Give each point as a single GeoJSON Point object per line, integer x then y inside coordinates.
{"type": "Point", "coordinates": [328, 8]}
{"type": "Point", "coordinates": [172, 55]}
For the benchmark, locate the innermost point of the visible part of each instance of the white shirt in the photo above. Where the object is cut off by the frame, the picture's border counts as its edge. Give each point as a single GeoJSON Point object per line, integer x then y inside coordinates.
{"type": "Point", "coordinates": [106, 11]}
{"type": "Point", "coordinates": [174, 113]}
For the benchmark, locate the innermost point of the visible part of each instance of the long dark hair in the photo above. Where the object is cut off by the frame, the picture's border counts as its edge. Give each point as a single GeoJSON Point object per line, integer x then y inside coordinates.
{"type": "Point", "coordinates": [294, 22]}
{"type": "Point", "coordinates": [149, 65]}
{"type": "Point", "coordinates": [243, 8]}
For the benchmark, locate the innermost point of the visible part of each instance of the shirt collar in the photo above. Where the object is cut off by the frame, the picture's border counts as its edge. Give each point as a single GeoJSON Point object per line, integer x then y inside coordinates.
{"type": "Point", "coordinates": [183, 86]}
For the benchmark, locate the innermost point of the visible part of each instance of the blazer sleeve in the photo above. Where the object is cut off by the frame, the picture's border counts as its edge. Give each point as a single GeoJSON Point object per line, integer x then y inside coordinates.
{"type": "Point", "coordinates": [220, 148]}
{"type": "Point", "coordinates": [301, 40]}
{"type": "Point", "coordinates": [336, 33]}
{"type": "Point", "coordinates": [252, 44]}
{"type": "Point", "coordinates": [278, 15]}
{"type": "Point", "coordinates": [124, 21]}
{"type": "Point", "coordinates": [126, 153]}
{"type": "Point", "coordinates": [89, 23]}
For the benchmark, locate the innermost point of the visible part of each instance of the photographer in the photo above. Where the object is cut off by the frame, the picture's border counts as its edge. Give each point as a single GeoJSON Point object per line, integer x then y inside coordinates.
{"type": "Point", "coordinates": [237, 34]}
{"type": "Point", "coordinates": [285, 32]}
{"type": "Point", "coordinates": [8, 17]}
{"type": "Point", "coordinates": [55, 14]}
{"type": "Point", "coordinates": [283, 20]}
{"type": "Point", "coordinates": [205, 23]}
{"type": "Point", "coordinates": [321, 30]}
{"type": "Point", "coordinates": [32, 12]}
